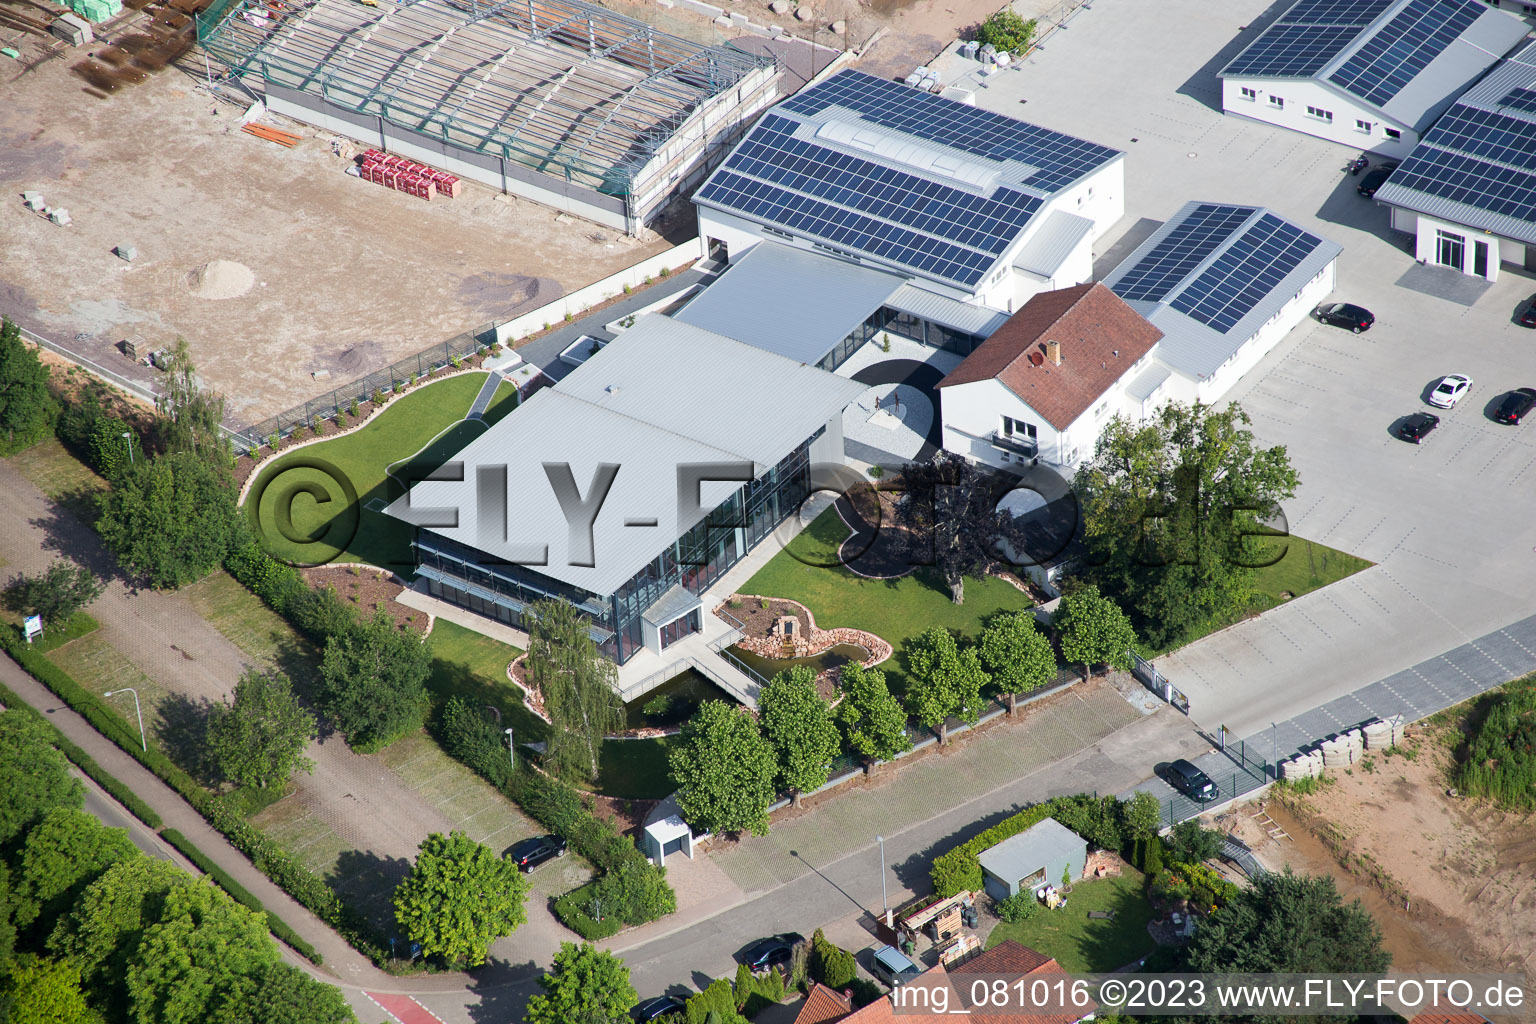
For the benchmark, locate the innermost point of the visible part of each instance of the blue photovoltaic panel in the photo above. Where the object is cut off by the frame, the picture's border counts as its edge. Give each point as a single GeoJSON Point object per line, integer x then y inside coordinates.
{"type": "Point", "coordinates": [1172, 259]}
{"type": "Point", "coordinates": [860, 205]}
{"type": "Point", "coordinates": [1358, 13]}
{"type": "Point", "coordinates": [1520, 99]}
{"type": "Point", "coordinates": [1246, 271]}
{"type": "Point", "coordinates": [1479, 133]}
{"type": "Point", "coordinates": [1459, 178]}
{"type": "Point", "coordinates": [1293, 50]}
{"type": "Point", "coordinates": [1403, 47]}
{"type": "Point", "coordinates": [1058, 159]}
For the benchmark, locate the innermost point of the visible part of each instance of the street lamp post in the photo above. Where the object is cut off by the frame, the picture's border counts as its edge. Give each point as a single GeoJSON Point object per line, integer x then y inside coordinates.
{"type": "Point", "coordinates": [511, 747]}
{"type": "Point", "coordinates": [129, 438]}
{"type": "Point", "coordinates": [1274, 747]}
{"type": "Point", "coordinates": [884, 905]}
{"type": "Point", "coordinates": [137, 710]}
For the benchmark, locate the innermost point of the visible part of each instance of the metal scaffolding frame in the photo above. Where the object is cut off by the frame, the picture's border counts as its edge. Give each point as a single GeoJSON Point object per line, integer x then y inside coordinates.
{"type": "Point", "coordinates": [563, 86]}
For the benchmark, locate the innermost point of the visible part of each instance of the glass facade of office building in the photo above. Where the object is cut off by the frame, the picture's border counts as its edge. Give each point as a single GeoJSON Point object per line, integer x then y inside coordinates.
{"type": "Point", "coordinates": [467, 576]}
{"type": "Point", "coordinates": [908, 325]}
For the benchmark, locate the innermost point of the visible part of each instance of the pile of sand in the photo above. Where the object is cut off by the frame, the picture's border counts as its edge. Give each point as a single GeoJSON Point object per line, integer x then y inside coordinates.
{"type": "Point", "coordinates": [220, 279]}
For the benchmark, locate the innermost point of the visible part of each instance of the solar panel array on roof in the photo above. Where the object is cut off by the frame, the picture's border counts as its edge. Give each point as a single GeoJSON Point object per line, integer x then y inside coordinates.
{"type": "Point", "coordinates": [1466, 179]}
{"type": "Point", "coordinates": [1195, 238]}
{"type": "Point", "coordinates": [1306, 37]}
{"type": "Point", "coordinates": [1058, 159]}
{"type": "Point", "coordinates": [1358, 13]}
{"type": "Point", "coordinates": [1236, 281]}
{"type": "Point", "coordinates": [1520, 99]}
{"type": "Point", "coordinates": [867, 204]}
{"type": "Point", "coordinates": [1486, 134]}
{"type": "Point", "coordinates": [1403, 47]}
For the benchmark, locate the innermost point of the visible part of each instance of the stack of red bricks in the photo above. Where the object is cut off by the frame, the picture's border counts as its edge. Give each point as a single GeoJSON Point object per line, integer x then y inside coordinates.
{"type": "Point", "coordinates": [408, 176]}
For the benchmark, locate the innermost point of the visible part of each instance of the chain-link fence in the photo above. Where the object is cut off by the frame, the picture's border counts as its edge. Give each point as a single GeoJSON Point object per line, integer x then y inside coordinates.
{"type": "Point", "coordinates": [384, 382]}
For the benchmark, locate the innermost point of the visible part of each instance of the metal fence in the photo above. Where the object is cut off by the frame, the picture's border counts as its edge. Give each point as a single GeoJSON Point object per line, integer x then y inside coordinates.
{"type": "Point", "coordinates": [1229, 787]}
{"type": "Point", "coordinates": [385, 381]}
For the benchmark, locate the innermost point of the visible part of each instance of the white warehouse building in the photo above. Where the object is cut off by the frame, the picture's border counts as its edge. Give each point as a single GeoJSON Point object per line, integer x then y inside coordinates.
{"type": "Point", "coordinates": [1368, 74]}
{"type": "Point", "coordinates": [963, 204]}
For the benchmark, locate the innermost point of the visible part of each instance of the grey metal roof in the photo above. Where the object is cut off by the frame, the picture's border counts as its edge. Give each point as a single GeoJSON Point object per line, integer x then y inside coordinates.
{"type": "Point", "coordinates": [1147, 381]}
{"type": "Point", "coordinates": [740, 398]}
{"type": "Point", "coordinates": [1476, 166]}
{"type": "Point", "coordinates": [1189, 345]}
{"type": "Point", "coordinates": [682, 395]}
{"type": "Point", "coordinates": [1408, 61]}
{"type": "Point", "coordinates": [1018, 857]}
{"type": "Point", "coordinates": [941, 309]}
{"type": "Point", "coordinates": [790, 301]}
{"type": "Point", "coordinates": [1050, 245]}
{"type": "Point", "coordinates": [674, 604]}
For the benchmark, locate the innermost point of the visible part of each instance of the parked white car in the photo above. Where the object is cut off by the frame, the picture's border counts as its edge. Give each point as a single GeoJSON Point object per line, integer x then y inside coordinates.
{"type": "Point", "coordinates": [1449, 391]}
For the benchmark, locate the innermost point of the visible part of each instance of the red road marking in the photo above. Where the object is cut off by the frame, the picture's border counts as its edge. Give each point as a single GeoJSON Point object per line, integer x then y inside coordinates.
{"type": "Point", "coordinates": [404, 1009]}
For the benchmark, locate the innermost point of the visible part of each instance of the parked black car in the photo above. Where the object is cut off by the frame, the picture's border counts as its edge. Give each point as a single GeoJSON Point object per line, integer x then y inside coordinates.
{"type": "Point", "coordinates": [1417, 427]}
{"type": "Point", "coordinates": [530, 853]}
{"type": "Point", "coordinates": [1515, 405]}
{"type": "Point", "coordinates": [1344, 314]}
{"type": "Point", "coordinates": [1527, 317]}
{"type": "Point", "coordinates": [1191, 781]}
{"type": "Point", "coordinates": [774, 951]}
{"type": "Point", "coordinates": [653, 1008]}
{"type": "Point", "coordinates": [1375, 178]}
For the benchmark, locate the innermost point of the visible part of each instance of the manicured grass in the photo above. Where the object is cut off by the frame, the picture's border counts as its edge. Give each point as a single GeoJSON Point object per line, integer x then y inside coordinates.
{"type": "Point", "coordinates": [101, 667]}
{"type": "Point", "coordinates": [253, 627]}
{"type": "Point", "coordinates": [1305, 566]}
{"type": "Point", "coordinates": [54, 637]}
{"type": "Point", "coordinates": [61, 476]}
{"type": "Point", "coordinates": [473, 666]}
{"type": "Point", "coordinates": [635, 769]}
{"type": "Point", "coordinates": [502, 402]}
{"type": "Point", "coordinates": [1084, 946]}
{"type": "Point", "coordinates": [893, 609]}
{"type": "Point", "coordinates": [351, 532]}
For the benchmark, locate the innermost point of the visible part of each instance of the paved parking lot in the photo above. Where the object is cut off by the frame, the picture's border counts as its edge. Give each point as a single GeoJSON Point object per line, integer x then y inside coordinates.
{"type": "Point", "coordinates": [1449, 524]}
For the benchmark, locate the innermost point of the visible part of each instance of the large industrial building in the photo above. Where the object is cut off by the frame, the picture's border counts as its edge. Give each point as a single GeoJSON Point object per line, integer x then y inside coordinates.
{"type": "Point", "coordinates": [558, 101]}
{"type": "Point", "coordinates": [1467, 193]}
{"type": "Point", "coordinates": [1370, 74]}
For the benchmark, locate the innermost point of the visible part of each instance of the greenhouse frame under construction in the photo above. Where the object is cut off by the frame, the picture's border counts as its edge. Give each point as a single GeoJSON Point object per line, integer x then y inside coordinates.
{"type": "Point", "coordinates": [558, 101]}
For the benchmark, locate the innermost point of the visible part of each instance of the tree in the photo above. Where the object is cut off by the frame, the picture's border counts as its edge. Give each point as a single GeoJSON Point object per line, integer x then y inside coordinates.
{"type": "Point", "coordinates": [286, 995]}
{"type": "Point", "coordinates": [724, 770]}
{"type": "Point", "coordinates": [1015, 653]}
{"type": "Point", "coordinates": [103, 931]}
{"type": "Point", "coordinates": [1092, 630]}
{"type": "Point", "coordinates": [259, 737]}
{"type": "Point", "coordinates": [1007, 30]}
{"type": "Point", "coordinates": [7, 928]}
{"type": "Point", "coordinates": [944, 681]}
{"type": "Point", "coordinates": [579, 685]}
{"type": "Point", "coordinates": [189, 415]}
{"type": "Point", "coordinates": [34, 777]}
{"type": "Point", "coordinates": [1173, 514]}
{"type": "Point", "coordinates": [171, 519]}
{"type": "Point", "coordinates": [800, 727]}
{"type": "Point", "coordinates": [1191, 843]}
{"type": "Point", "coordinates": [41, 991]}
{"type": "Point", "coordinates": [1143, 815]}
{"type": "Point", "coordinates": [64, 852]}
{"type": "Point", "coordinates": [873, 719]}
{"type": "Point", "coordinates": [459, 898]}
{"type": "Point", "coordinates": [203, 951]}
{"type": "Point", "coordinates": [1289, 924]}
{"type": "Point", "coordinates": [56, 593]}
{"type": "Point", "coordinates": [951, 502]}
{"type": "Point", "coordinates": [584, 986]}
{"type": "Point", "coordinates": [27, 409]}
{"type": "Point", "coordinates": [373, 681]}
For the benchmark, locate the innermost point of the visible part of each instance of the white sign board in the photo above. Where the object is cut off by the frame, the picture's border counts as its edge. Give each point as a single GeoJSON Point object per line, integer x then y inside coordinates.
{"type": "Point", "coordinates": [32, 626]}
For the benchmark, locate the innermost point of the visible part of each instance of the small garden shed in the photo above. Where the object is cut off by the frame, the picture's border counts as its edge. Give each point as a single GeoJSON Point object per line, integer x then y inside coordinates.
{"type": "Point", "coordinates": [1036, 857]}
{"type": "Point", "coordinates": [666, 832]}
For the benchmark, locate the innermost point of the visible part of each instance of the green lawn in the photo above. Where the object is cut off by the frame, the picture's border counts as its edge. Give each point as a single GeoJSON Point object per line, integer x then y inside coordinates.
{"type": "Point", "coordinates": [61, 476]}
{"type": "Point", "coordinates": [1084, 946]}
{"type": "Point", "coordinates": [351, 532]}
{"type": "Point", "coordinates": [635, 769]}
{"type": "Point", "coordinates": [893, 609]}
{"type": "Point", "coordinates": [502, 402]}
{"type": "Point", "coordinates": [474, 666]}
{"type": "Point", "coordinates": [253, 627]}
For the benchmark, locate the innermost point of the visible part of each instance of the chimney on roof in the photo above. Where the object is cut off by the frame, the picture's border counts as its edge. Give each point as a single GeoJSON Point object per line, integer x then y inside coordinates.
{"type": "Point", "coordinates": [1053, 352]}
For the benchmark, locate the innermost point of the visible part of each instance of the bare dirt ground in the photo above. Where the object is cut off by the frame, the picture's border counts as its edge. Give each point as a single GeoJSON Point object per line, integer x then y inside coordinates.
{"type": "Point", "coordinates": [349, 276]}
{"type": "Point", "coordinates": [1451, 881]}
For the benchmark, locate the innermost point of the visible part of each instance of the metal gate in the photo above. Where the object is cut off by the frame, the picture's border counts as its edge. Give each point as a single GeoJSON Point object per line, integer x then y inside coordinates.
{"type": "Point", "coordinates": [1158, 683]}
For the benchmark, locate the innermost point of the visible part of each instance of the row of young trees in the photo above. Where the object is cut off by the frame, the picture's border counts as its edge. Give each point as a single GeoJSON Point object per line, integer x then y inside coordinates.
{"type": "Point", "coordinates": [93, 930]}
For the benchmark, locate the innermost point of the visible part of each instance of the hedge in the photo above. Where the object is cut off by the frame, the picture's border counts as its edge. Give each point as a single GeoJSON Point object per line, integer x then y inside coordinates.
{"type": "Point", "coordinates": [86, 763]}
{"type": "Point", "coordinates": [573, 910]}
{"type": "Point", "coordinates": [308, 888]}
{"type": "Point", "coordinates": [240, 894]}
{"type": "Point", "coordinates": [1096, 819]}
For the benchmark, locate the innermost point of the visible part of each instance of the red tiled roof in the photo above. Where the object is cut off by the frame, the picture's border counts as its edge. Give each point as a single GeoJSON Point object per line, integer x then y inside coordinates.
{"type": "Point", "coordinates": [824, 1006]}
{"type": "Point", "coordinates": [1006, 958]}
{"type": "Point", "coordinates": [1100, 338]}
